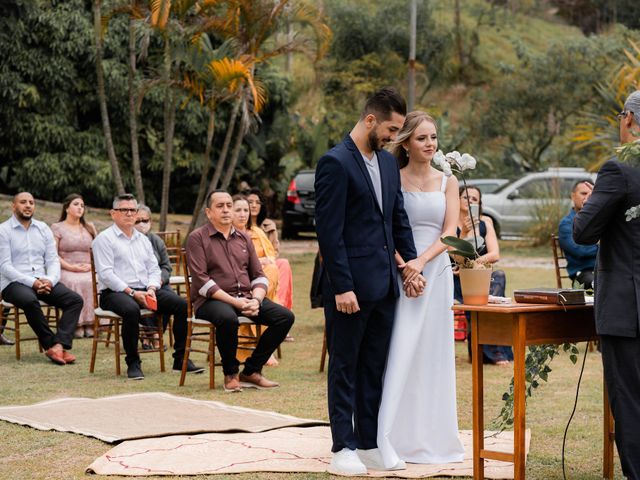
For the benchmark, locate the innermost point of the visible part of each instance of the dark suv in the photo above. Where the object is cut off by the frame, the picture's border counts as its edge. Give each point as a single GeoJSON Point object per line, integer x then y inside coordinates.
{"type": "Point", "coordinates": [299, 205]}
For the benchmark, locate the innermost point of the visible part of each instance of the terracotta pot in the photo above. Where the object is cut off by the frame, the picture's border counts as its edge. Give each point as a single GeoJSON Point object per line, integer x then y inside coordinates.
{"type": "Point", "coordinates": [475, 285]}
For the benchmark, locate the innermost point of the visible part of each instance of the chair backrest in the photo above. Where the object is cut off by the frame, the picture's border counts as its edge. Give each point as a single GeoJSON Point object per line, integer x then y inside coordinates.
{"type": "Point", "coordinates": [173, 243]}
{"type": "Point", "coordinates": [559, 261]}
{"type": "Point", "coordinates": [94, 280]}
{"type": "Point", "coordinates": [187, 282]}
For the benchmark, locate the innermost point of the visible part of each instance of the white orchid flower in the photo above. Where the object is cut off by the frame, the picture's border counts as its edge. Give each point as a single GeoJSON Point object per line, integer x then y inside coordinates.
{"type": "Point", "coordinates": [440, 161]}
{"type": "Point", "coordinates": [467, 162]}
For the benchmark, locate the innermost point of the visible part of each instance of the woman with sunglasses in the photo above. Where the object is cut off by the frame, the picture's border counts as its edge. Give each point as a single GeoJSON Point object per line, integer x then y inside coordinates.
{"type": "Point", "coordinates": [73, 236]}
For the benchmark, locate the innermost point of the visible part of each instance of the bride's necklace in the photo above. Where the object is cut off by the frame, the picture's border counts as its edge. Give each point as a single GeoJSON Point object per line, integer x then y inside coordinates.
{"type": "Point", "coordinates": [419, 187]}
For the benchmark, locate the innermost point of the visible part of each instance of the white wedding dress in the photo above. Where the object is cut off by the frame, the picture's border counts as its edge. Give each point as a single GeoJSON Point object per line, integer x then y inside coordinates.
{"type": "Point", "coordinates": [418, 420]}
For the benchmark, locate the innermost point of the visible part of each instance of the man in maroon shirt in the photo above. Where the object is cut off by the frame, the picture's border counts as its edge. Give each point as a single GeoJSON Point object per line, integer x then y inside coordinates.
{"type": "Point", "coordinates": [227, 281]}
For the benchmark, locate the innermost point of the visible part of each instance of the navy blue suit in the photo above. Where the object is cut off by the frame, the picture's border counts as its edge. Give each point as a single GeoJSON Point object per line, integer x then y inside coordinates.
{"type": "Point", "coordinates": [617, 297]}
{"type": "Point", "coordinates": [357, 241]}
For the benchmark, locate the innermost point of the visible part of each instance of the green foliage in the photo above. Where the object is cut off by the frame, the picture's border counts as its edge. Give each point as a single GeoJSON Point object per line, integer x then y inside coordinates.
{"type": "Point", "coordinates": [537, 369]}
{"type": "Point", "coordinates": [531, 105]}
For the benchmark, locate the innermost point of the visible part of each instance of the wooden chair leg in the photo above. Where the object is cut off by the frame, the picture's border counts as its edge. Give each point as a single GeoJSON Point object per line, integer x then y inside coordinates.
{"type": "Point", "coordinates": [116, 336]}
{"type": "Point", "coordinates": [212, 357]}
{"type": "Point", "coordinates": [187, 350]}
{"type": "Point", "coordinates": [170, 328]}
{"type": "Point", "coordinates": [94, 346]}
{"type": "Point", "coordinates": [160, 341]}
{"type": "Point", "coordinates": [16, 320]}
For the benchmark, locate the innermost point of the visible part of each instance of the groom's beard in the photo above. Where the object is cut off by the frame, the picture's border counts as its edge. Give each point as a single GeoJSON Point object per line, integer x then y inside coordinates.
{"type": "Point", "coordinates": [374, 141]}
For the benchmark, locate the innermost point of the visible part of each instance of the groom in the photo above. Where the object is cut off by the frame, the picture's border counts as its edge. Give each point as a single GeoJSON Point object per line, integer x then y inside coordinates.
{"type": "Point", "coordinates": [361, 222]}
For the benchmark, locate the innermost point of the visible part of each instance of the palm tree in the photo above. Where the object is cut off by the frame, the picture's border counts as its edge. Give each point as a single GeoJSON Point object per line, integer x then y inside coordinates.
{"type": "Point", "coordinates": [600, 131]}
{"type": "Point", "coordinates": [102, 98]}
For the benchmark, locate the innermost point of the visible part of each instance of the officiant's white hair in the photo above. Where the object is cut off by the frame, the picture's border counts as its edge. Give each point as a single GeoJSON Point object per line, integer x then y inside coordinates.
{"type": "Point", "coordinates": [632, 104]}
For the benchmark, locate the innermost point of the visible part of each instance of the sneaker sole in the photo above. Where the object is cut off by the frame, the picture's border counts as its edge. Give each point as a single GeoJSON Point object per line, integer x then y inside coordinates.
{"type": "Point", "coordinates": [199, 370]}
{"type": "Point", "coordinates": [257, 387]}
{"type": "Point", "coordinates": [135, 378]}
{"type": "Point", "coordinates": [346, 474]}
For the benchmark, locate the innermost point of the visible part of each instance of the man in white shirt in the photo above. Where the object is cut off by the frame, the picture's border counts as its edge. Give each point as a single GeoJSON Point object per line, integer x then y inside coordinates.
{"type": "Point", "coordinates": [30, 272]}
{"type": "Point", "coordinates": [128, 274]}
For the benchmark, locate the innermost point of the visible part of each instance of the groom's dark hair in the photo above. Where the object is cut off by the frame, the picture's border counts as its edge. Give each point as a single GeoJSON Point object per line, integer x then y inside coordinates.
{"type": "Point", "coordinates": [383, 102]}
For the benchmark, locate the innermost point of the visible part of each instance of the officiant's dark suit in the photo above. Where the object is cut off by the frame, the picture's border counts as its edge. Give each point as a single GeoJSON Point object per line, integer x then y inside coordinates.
{"type": "Point", "coordinates": [617, 296]}
{"type": "Point", "coordinates": [357, 240]}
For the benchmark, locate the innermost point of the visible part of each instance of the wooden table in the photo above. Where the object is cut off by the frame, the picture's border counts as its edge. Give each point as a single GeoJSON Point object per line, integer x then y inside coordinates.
{"type": "Point", "coordinates": [520, 325]}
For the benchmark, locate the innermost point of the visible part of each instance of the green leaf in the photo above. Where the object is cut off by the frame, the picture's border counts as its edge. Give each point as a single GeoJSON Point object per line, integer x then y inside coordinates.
{"type": "Point", "coordinates": [462, 247]}
{"type": "Point", "coordinates": [573, 358]}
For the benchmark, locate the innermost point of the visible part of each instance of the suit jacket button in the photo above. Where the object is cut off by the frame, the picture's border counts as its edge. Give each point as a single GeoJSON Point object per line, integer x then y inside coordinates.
{"type": "Point", "coordinates": [385, 247]}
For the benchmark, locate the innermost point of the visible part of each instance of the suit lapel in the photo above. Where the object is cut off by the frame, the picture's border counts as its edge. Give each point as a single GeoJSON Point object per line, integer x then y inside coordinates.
{"type": "Point", "coordinates": [363, 169]}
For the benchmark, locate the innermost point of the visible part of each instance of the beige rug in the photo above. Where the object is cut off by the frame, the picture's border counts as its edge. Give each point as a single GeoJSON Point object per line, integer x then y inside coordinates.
{"type": "Point", "coordinates": [291, 449]}
{"type": "Point", "coordinates": [144, 415]}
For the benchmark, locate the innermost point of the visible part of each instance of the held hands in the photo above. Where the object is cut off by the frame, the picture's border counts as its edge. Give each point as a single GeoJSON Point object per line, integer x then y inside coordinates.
{"type": "Point", "coordinates": [347, 302]}
{"type": "Point", "coordinates": [416, 287]}
{"type": "Point", "coordinates": [411, 270]}
{"type": "Point", "coordinates": [42, 286]}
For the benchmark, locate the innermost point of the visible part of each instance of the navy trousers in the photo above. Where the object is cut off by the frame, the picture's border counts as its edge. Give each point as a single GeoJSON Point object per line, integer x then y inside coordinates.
{"type": "Point", "coordinates": [358, 345]}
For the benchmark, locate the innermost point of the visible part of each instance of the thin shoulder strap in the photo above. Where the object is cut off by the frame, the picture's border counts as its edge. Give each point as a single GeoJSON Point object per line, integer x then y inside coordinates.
{"type": "Point", "coordinates": [443, 187]}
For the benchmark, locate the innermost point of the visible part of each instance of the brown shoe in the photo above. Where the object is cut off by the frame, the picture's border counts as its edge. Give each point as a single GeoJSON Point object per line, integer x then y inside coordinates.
{"type": "Point", "coordinates": [232, 384]}
{"type": "Point", "coordinates": [68, 358]}
{"type": "Point", "coordinates": [256, 380]}
{"type": "Point", "coordinates": [56, 356]}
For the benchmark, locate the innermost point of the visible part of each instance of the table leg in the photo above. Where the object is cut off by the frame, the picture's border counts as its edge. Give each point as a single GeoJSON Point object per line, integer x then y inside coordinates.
{"type": "Point", "coordinates": [609, 437]}
{"type": "Point", "coordinates": [478, 404]}
{"type": "Point", "coordinates": [519, 424]}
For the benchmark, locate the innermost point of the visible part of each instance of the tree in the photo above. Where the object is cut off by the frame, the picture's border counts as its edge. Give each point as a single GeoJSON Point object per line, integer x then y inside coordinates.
{"type": "Point", "coordinates": [102, 98]}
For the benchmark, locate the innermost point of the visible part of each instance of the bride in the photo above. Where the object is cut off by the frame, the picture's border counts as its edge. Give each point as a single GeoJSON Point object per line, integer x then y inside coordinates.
{"type": "Point", "coordinates": [418, 421]}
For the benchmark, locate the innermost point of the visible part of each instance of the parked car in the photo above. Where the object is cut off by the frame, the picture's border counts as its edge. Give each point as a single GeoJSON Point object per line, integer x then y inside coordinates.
{"type": "Point", "coordinates": [298, 212]}
{"type": "Point", "coordinates": [487, 185]}
{"type": "Point", "coordinates": [511, 207]}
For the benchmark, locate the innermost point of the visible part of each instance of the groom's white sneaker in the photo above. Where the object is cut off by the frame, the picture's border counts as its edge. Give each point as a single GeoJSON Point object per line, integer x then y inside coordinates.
{"type": "Point", "coordinates": [372, 459]}
{"type": "Point", "coordinates": [346, 462]}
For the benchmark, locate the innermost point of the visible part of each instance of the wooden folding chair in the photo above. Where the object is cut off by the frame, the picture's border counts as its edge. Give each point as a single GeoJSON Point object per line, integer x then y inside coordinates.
{"type": "Point", "coordinates": [11, 313]}
{"type": "Point", "coordinates": [559, 262]}
{"type": "Point", "coordinates": [173, 242]}
{"type": "Point", "coordinates": [111, 326]}
{"type": "Point", "coordinates": [203, 331]}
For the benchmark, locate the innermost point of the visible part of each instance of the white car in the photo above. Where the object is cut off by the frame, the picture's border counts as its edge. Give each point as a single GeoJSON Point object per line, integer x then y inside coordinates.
{"type": "Point", "coordinates": [511, 207]}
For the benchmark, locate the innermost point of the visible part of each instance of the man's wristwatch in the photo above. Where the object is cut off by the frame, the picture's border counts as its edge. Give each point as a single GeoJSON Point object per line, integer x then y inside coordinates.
{"type": "Point", "coordinates": [132, 293]}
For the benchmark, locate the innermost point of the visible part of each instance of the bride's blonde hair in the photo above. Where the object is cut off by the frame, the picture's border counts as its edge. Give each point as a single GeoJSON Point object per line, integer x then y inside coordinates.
{"type": "Point", "coordinates": [411, 122]}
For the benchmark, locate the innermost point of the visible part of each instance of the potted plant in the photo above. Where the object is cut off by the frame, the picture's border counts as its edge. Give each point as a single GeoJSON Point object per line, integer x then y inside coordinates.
{"type": "Point", "coordinates": [475, 277]}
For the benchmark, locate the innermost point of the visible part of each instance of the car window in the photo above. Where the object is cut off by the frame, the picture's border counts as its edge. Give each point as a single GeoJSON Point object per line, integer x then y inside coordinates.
{"type": "Point", "coordinates": [304, 181]}
{"type": "Point", "coordinates": [537, 188]}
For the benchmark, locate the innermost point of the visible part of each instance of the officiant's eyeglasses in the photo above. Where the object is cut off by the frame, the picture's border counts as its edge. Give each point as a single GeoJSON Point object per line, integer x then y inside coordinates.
{"type": "Point", "coordinates": [623, 114]}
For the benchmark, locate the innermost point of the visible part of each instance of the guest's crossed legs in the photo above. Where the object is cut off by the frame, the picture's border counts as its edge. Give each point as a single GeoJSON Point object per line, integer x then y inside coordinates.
{"type": "Point", "coordinates": [358, 344]}
{"type": "Point", "coordinates": [277, 319]}
{"type": "Point", "coordinates": [28, 300]}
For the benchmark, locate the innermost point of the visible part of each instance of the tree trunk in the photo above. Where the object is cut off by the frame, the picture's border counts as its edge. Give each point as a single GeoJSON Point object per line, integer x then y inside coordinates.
{"type": "Point", "coordinates": [102, 99]}
{"type": "Point", "coordinates": [198, 211]}
{"type": "Point", "coordinates": [169, 124]}
{"type": "Point", "coordinates": [206, 164]}
{"type": "Point", "coordinates": [133, 116]}
{"type": "Point", "coordinates": [244, 120]}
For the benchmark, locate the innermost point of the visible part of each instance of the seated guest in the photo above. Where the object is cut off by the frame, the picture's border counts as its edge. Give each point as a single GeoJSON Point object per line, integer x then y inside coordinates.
{"type": "Point", "coordinates": [227, 281]}
{"type": "Point", "coordinates": [143, 225]}
{"type": "Point", "coordinates": [489, 252]}
{"type": "Point", "coordinates": [581, 259]}
{"type": "Point", "coordinates": [128, 274]}
{"type": "Point", "coordinates": [73, 237]}
{"type": "Point", "coordinates": [30, 272]}
{"type": "Point", "coordinates": [259, 219]}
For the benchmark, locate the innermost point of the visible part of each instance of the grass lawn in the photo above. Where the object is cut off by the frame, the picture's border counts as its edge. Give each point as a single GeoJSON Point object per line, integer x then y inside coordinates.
{"type": "Point", "coordinates": [30, 453]}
